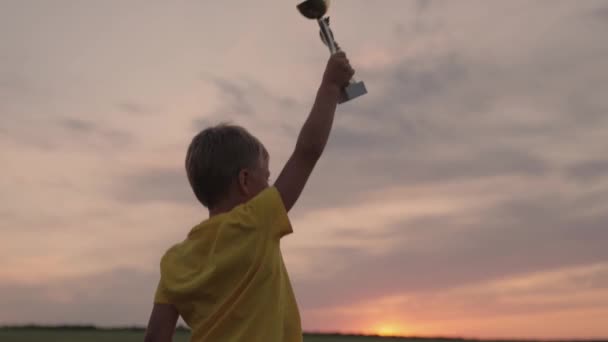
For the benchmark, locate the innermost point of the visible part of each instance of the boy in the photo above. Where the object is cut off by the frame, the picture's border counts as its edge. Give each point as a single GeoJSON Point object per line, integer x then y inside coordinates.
{"type": "Point", "coordinates": [227, 279]}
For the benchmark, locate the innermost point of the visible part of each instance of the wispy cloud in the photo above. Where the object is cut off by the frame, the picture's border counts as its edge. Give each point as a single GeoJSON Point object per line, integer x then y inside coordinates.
{"type": "Point", "coordinates": [170, 185]}
{"type": "Point", "coordinates": [522, 298]}
{"type": "Point", "coordinates": [519, 234]}
{"type": "Point", "coordinates": [134, 108]}
{"type": "Point", "coordinates": [589, 171]}
{"type": "Point", "coordinates": [84, 299]}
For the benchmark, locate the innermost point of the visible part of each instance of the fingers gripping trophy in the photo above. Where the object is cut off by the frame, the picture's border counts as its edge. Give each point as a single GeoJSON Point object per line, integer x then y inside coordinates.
{"type": "Point", "coordinates": [316, 9]}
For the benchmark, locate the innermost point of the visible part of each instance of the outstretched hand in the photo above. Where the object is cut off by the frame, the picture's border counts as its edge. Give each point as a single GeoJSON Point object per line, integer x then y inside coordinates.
{"type": "Point", "coordinates": [338, 71]}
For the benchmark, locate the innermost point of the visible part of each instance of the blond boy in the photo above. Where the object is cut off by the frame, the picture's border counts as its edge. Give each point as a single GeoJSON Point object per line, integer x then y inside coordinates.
{"type": "Point", "coordinates": [227, 279]}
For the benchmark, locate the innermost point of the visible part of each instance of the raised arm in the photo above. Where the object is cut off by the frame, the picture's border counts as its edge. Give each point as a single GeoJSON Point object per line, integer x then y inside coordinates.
{"type": "Point", "coordinates": [315, 132]}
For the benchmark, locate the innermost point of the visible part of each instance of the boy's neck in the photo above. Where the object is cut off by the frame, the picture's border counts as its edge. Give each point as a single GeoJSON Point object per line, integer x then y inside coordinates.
{"type": "Point", "coordinates": [223, 207]}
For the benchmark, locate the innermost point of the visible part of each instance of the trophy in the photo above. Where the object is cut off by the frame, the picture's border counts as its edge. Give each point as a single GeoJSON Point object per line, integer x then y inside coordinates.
{"type": "Point", "coordinates": [316, 9]}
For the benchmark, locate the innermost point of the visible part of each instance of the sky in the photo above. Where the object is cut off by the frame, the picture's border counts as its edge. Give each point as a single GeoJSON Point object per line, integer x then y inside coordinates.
{"type": "Point", "coordinates": [466, 194]}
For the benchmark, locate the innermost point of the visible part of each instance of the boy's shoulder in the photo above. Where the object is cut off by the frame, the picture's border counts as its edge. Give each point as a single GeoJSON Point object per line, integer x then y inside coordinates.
{"type": "Point", "coordinates": [267, 198]}
{"type": "Point", "coordinates": [265, 211]}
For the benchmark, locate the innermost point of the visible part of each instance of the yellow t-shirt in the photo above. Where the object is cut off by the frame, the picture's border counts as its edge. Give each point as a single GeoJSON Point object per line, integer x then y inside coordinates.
{"type": "Point", "coordinates": [227, 279]}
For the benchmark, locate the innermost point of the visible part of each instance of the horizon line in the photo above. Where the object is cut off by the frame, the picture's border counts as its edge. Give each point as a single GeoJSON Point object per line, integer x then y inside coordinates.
{"type": "Point", "coordinates": [181, 327]}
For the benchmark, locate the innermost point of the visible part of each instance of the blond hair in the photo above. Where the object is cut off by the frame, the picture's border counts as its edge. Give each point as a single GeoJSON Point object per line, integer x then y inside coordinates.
{"type": "Point", "coordinates": [215, 157]}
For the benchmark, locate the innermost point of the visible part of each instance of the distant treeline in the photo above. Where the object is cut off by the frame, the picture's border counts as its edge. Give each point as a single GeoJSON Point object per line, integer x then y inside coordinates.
{"type": "Point", "coordinates": [80, 327]}
{"type": "Point", "coordinates": [182, 328]}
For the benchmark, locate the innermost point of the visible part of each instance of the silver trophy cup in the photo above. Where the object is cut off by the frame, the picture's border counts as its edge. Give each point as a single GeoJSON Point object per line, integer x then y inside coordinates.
{"type": "Point", "coordinates": [316, 9]}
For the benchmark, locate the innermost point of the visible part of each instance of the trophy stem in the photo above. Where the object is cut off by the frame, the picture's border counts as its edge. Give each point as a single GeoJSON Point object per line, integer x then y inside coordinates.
{"type": "Point", "coordinates": [327, 35]}
{"type": "Point", "coordinates": [316, 9]}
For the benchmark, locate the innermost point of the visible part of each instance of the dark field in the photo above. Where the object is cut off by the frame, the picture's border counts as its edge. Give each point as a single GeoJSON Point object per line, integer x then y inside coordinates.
{"type": "Point", "coordinates": [133, 335]}
{"type": "Point", "coordinates": [182, 335]}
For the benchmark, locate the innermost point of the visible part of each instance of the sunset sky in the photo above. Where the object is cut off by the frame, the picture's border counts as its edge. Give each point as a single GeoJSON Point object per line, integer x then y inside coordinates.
{"type": "Point", "coordinates": [466, 194]}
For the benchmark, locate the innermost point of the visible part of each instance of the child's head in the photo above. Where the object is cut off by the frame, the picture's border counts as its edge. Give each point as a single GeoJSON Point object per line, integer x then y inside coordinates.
{"type": "Point", "coordinates": [226, 166]}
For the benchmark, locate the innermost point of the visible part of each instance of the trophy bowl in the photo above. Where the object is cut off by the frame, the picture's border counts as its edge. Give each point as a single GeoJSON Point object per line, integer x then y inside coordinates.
{"type": "Point", "coordinates": [314, 9]}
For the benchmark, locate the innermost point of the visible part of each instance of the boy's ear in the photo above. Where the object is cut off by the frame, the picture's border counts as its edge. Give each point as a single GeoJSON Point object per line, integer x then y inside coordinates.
{"type": "Point", "coordinates": [244, 182]}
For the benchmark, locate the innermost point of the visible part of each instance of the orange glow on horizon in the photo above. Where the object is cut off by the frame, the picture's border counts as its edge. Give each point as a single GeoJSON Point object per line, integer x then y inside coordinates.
{"type": "Point", "coordinates": [390, 329]}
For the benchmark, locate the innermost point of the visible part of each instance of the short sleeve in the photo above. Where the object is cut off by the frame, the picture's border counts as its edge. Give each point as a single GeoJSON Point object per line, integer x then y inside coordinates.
{"type": "Point", "coordinates": [267, 211]}
{"type": "Point", "coordinates": [160, 297]}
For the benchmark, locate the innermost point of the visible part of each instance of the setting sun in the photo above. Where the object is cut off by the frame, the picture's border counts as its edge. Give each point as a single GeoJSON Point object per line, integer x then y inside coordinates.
{"type": "Point", "coordinates": [390, 330]}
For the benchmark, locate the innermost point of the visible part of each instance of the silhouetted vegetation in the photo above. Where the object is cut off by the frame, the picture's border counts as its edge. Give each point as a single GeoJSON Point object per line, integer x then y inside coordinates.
{"type": "Point", "coordinates": [132, 333]}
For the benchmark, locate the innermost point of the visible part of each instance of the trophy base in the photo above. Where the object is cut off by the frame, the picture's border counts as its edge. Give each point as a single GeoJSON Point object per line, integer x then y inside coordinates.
{"type": "Point", "coordinates": [352, 91]}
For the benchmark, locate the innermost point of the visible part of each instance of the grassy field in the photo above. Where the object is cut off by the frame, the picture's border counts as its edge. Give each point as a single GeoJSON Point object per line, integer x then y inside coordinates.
{"type": "Point", "coordinates": [91, 334]}
{"type": "Point", "coordinates": [133, 335]}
